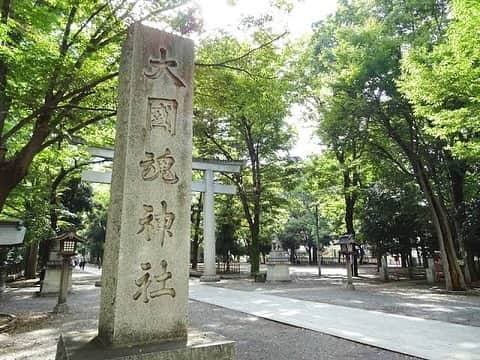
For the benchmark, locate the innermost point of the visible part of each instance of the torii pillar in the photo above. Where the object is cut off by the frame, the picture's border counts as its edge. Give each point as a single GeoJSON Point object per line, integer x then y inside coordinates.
{"type": "Point", "coordinates": [210, 188]}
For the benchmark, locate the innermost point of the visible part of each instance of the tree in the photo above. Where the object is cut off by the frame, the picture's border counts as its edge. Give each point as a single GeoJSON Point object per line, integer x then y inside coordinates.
{"type": "Point", "coordinates": [471, 226]}
{"type": "Point", "coordinates": [97, 226]}
{"type": "Point", "coordinates": [197, 238]}
{"type": "Point", "coordinates": [58, 67]}
{"type": "Point", "coordinates": [49, 199]}
{"type": "Point", "coordinates": [76, 199]}
{"type": "Point", "coordinates": [293, 235]}
{"type": "Point", "coordinates": [245, 120]}
{"type": "Point", "coordinates": [360, 49]}
{"type": "Point", "coordinates": [395, 220]}
{"type": "Point", "coordinates": [323, 182]}
{"type": "Point", "coordinates": [442, 84]}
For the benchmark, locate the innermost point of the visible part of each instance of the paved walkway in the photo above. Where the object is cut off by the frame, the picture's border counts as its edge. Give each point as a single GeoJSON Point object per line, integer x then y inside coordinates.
{"type": "Point", "coordinates": [422, 338]}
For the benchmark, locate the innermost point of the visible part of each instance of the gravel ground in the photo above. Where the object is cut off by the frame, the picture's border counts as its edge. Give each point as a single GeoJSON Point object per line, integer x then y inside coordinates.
{"type": "Point", "coordinates": [38, 329]}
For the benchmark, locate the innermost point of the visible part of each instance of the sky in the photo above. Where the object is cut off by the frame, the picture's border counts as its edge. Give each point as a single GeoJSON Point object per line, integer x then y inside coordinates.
{"type": "Point", "coordinates": [218, 14]}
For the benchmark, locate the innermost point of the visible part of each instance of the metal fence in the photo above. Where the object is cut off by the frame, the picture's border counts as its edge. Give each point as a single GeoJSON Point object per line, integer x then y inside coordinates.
{"type": "Point", "coordinates": [223, 268]}
{"type": "Point", "coordinates": [336, 261]}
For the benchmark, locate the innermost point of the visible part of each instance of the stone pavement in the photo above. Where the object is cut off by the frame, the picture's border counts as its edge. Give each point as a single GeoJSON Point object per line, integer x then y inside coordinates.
{"type": "Point", "coordinates": [418, 337]}
{"type": "Point", "coordinates": [413, 298]}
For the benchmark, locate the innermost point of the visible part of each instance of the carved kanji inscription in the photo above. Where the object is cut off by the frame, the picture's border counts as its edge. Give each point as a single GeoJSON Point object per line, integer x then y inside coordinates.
{"type": "Point", "coordinates": [163, 66]}
{"type": "Point", "coordinates": [147, 222]}
{"type": "Point", "coordinates": [145, 281]}
{"type": "Point", "coordinates": [150, 168]}
{"type": "Point", "coordinates": [162, 165]}
{"type": "Point", "coordinates": [162, 280]}
{"type": "Point", "coordinates": [162, 114]}
{"type": "Point", "coordinates": [153, 222]}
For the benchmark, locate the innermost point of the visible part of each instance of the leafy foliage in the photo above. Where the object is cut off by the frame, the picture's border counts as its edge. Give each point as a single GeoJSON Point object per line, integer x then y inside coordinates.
{"type": "Point", "coordinates": [442, 83]}
{"type": "Point", "coordinates": [246, 120]}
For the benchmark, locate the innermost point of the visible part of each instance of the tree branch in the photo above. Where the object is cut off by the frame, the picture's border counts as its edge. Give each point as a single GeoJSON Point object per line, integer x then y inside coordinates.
{"type": "Point", "coordinates": [248, 53]}
{"type": "Point", "coordinates": [63, 48]}
{"type": "Point", "coordinates": [218, 145]}
{"type": "Point", "coordinates": [84, 25]}
{"type": "Point", "coordinates": [390, 157]}
{"type": "Point", "coordinates": [74, 129]}
{"type": "Point", "coordinates": [71, 106]}
{"type": "Point", "coordinates": [48, 106]}
{"type": "Point", "coordinates": [88, 86]}
{"type": "Point", "coordinates": [236, 68]}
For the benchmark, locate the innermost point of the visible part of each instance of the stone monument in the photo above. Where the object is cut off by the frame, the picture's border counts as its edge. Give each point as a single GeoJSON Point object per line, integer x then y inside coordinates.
{"type": "Point", "coordinates": [383, 270]}
{"type": "Point", "coordinates": [278, 264]}
{"type": "Point", "coordinates": [432, 271]}
{"type": "Point", "coordinates": [143, 310]}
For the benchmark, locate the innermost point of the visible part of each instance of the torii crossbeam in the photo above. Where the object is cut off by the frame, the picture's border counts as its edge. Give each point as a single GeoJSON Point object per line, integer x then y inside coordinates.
{"type": "Point", "coordinates": [207, 186]}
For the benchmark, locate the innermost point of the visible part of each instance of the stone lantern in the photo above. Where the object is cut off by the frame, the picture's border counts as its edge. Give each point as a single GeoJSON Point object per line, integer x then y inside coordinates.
{"type": "Point", "coordinates": [68, 247]}
{"type": "Point", "coordinates": [51, 280]}
{"type": "Point", "coordinates": [347, 248]}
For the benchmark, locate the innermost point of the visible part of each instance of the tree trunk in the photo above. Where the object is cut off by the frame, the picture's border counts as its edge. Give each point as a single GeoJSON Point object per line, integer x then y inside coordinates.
{"type": "Point", "coordinates": [292, 255]}
{"type": "Point", "coordinates": [10, 176]}
{"type": "Point", "coordinates": [255, 250]}
{"type": "Point", "coordinates": [350, 200]}
{"type": "Point", "coordinates": [424, 256]}
{"type": "Point", "coordinates": [454, 279]}
{"type": "Point", "coordinates": [14, 170]}
{"type": "Point", "coordinates": [457, 170]}
{"type": "Point", "coordinates": [197, 215]}
{"type": "Point", "coordinates": [31, 260]}
{"type": "Point", "coordinates": [404, 258]}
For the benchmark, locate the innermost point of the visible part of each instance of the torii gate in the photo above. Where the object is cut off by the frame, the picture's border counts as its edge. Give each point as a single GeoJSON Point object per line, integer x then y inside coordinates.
{"type": "Point", "coordinates": [207, 186]}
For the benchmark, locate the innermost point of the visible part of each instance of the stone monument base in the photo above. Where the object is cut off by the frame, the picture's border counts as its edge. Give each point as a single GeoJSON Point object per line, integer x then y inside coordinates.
{"type": "Point", "coordinates": [278, 272]}
{"type": "Point", "coordinates": [383, 274]}
{"type": "Point", "coordinates": [51, 283]}
{"type": "Point", "coordinates": [349, 286]}
{"type": "Point", "coordinates": [430, 273]}
{"type": "Point", "coordinates": [209, 278]}
{"type": "Point", "coordinates": [84, 345]}
{"type": "Point", "coordinates": [61, 308]}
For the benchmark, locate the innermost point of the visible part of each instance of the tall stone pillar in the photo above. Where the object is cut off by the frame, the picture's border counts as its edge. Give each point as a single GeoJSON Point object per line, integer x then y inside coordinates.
{"type": "Point", "coordinates": [144, 300]}
{"type": "Point", "coordinates": [209, 273]}
{"type": "Point", "coordinates": [384, 269]}
{"type": "Point", "coordinates": [349, 284]}
{"type": "Point", "coordinates": [145, 269]}
{"type": "Point", "coordinates": [430, 271]}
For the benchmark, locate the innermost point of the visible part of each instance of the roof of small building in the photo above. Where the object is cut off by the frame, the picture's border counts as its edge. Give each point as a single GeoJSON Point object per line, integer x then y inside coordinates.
{"type": "Point", "coordinates": [346, 239]}
{"type": "Point", "coordinates": [69, 235]}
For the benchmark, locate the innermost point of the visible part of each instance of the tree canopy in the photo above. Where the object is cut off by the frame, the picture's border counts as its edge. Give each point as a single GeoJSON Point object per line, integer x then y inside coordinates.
{"type": "Point", "coordinates": [392, 85]}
